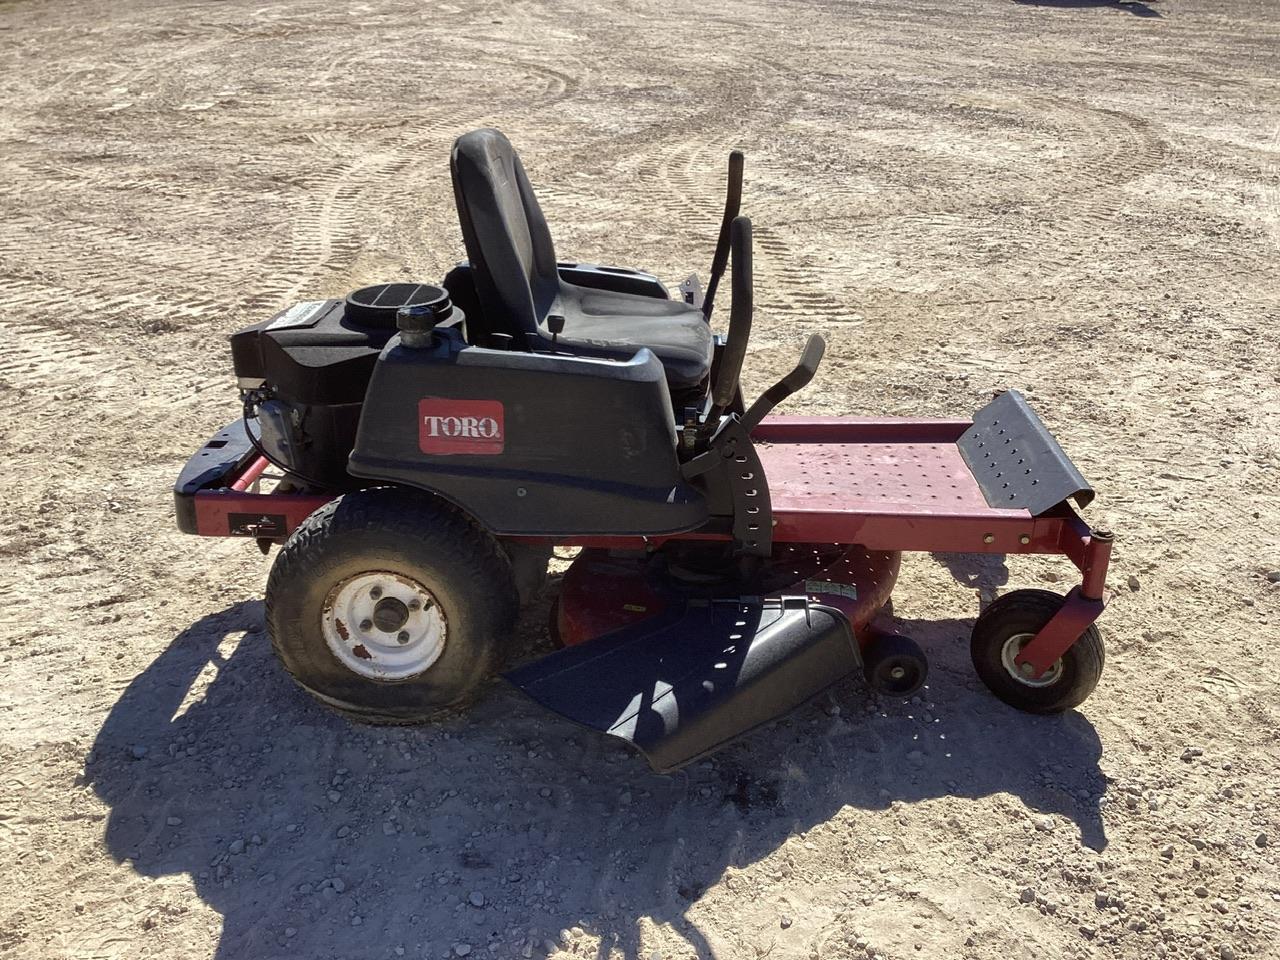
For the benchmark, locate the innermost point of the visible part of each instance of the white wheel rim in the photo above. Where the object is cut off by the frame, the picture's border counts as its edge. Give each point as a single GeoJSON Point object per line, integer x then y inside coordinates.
{"type": "Point", "coordinates": [383, 626]}
{"type": "Point", "coordinates": [1009, 653]}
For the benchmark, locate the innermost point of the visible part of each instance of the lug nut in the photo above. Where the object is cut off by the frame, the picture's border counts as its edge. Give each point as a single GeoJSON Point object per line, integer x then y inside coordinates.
{"type": "Point", "coordinates": [376, 592]}
{"type": "Point", "coordinates": [366, 625]}
{"type": "Point", "coordinates": [415, 604]}
{"type": "Point", "coordinates": [403, 636]}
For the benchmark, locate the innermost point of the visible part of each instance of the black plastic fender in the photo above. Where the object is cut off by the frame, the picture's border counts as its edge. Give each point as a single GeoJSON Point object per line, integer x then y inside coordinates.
{"type": "Point", "coordinates": [529, 444]}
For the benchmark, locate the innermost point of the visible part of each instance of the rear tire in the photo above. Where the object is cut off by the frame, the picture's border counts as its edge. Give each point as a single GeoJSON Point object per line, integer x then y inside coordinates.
{"type": "Point", "coordinates": [390, 606]}
{"type": "Point", "coordinates": [1006, 626]}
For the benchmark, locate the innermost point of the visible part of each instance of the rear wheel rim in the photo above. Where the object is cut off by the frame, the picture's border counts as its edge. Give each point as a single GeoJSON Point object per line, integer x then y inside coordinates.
{"type": "Point", "coordinates": [383, 626]}
{"type": "Point", "coordinates": [1008, 657]}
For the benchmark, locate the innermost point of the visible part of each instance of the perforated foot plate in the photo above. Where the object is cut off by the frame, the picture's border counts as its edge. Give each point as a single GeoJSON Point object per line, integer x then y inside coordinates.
{"type": "Point", "coordinates": [1016, 461]}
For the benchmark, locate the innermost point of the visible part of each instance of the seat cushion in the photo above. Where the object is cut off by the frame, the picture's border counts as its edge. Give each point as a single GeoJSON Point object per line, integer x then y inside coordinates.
{"type": "Point", "coordinates": [603, 323]}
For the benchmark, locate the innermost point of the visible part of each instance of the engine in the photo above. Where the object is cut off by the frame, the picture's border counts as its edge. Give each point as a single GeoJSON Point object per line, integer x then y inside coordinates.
{"type": "Point", "coordinates": [304, 373]}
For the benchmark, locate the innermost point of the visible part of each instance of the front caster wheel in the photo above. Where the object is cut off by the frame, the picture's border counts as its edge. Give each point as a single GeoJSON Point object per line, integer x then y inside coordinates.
{"type": "Point", "coordinates": [390, 606]}
{"type": "Point", "coordinates": [1008, 625]}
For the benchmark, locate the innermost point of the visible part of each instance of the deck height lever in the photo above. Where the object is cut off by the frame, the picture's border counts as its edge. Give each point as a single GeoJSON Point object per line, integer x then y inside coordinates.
{"type": "Point", "coordinates": [797, 379]}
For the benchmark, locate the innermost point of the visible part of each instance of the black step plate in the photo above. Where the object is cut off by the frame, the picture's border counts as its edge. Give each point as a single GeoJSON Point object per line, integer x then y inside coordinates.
{"type": "Point", "coordinates": [1016, 461]}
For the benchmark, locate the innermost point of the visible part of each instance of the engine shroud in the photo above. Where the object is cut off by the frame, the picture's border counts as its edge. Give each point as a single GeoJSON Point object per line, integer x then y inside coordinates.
{"type": "Point", "coordinates": [314, 361]}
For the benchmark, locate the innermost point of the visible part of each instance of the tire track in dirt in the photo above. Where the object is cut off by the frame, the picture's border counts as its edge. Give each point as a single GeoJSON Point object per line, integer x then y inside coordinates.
{"type": "Point", "coordinates": [1108, 148]}
{"type": "Point", "coordinates": [327, 234]}
{"type": "Point", "coordinates": [794, 299]}
{"type": "Point", "coordinates": [689, 178]}
{"type": "Point", "coordinates": [1084, 196]}
{"type": "Point", "coordinates": [553, 85]}
{"type": "Point", "coordinates": [52, 366]}
{"type": "Point", "coordinates": [1113, 148]}
{"type": "Point", "coordinates": [38, 358]}
{"type": "Point", "coordinates": [1074, 195]}
{"type": "Point", "coordinates": [35, 348]}
{"type": "Point", "coordinates": [81, 262]}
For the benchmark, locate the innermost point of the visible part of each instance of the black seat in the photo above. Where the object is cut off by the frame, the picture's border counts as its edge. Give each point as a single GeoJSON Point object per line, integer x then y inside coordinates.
{"type": "Point", "coordinates": [519, 286]}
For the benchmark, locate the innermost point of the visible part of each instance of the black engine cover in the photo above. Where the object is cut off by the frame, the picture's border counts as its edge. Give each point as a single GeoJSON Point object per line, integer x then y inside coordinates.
{"type": "Point", "coordinates": [310, 354]}
{"type": "Point", "coordinates": [316, 359]}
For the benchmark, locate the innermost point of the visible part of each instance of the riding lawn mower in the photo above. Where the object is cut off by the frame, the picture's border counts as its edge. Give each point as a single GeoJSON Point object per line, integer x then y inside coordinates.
{"type": "Point", "coordinates": [419, 450]}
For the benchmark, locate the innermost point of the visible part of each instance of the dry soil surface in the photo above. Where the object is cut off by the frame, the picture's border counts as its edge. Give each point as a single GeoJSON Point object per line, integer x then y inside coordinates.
{"type": "Point", "coordinates": [1071, 197]}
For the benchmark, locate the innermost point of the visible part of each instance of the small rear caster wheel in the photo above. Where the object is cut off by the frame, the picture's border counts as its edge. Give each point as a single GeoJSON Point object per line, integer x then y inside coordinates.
{"type": "Point", "coordinates": [390, 606]}
{"type": "Point", "coordinates": [894, 665]}
{"type": "Point", "coordinates": [1008, 625]}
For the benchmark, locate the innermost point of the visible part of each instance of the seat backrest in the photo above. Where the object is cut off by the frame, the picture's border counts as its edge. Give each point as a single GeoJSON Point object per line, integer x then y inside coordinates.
{"type": "Point", "coordinates": [506, 236]}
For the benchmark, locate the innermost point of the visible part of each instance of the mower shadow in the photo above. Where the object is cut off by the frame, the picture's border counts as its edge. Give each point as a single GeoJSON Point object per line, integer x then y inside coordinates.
{"type": "Point", "coordinates": [983, 572]}
{"type": "Point", "coordinates": [315, 837]}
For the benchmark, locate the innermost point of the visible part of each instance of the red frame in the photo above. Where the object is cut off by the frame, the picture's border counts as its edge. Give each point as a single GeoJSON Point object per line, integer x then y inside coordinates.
{"type": "Point", "coordinates": [213, 508]}
{"type": "Point", "coordinates": [884, 484]}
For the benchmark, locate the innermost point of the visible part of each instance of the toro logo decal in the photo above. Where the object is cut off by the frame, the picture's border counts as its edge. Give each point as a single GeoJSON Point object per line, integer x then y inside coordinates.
{"type": "Point", "coordinates": [460, 426]}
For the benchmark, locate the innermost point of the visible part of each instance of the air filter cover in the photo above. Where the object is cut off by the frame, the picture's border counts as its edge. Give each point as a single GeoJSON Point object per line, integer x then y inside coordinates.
{"type": "Point", "coordinates": [378, 305]}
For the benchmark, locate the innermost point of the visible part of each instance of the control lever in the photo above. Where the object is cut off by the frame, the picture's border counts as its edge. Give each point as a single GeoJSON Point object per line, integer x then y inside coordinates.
{"type": "Point", "coordinates": [732, 203]}
{"type": "Point", "coordinates": [734, 350]}
{"type": "Point", "coordinates": [797, 379]}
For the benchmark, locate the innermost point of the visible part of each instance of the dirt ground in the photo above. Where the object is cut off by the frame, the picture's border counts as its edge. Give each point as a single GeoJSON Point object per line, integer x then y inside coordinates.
{"type": "Point", "coordinates": [1075, 198]}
